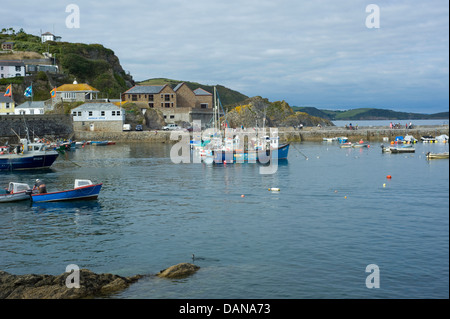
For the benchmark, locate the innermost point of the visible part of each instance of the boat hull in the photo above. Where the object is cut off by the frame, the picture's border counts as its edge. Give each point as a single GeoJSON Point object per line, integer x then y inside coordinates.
{"type": "Point", "coordinates": [8, 198]}
{"type": "Point", "coordinates": [89, 192]}
{"type": "Point", "coordinates": [19, 162]}
{"type": "Point", "coordinates": [281, 153]}
{"type": "Point", "coordinates": [437, 155]}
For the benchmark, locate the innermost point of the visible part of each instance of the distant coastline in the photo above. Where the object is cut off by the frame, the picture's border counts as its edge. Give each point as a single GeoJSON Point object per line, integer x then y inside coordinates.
{"type": "Point", "coordinates": [369, 114]}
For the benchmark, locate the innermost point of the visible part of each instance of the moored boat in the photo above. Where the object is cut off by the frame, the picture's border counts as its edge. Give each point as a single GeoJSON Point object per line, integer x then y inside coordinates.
{"type": "Point", "coordinates": [15, 192]}
{"type": "Point", "coordinates": [443, 155]}
{"type": "Point", "coordinates": [99, 143]}
{"type": "Point", "coordinates": [406, 148]}
{"type": "Point", "coordinates": [428, 139]}
{"type": "Point", "coordinates": [28, 155]}
{"type": "Point", "coordinates": [83, 190]}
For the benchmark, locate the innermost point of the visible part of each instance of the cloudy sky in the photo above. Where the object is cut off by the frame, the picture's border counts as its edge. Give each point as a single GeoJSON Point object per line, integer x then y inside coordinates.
{"type": "Point", "coordinates": [309, 53]}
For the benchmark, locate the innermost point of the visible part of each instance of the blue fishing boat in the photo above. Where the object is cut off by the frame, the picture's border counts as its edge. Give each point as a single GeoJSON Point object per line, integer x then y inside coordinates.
{"type": "Point", "coordinates": [83, 190]}
{"type": "Point", "coordinates": [27, 155]}
{"type": "Point", "coordinates": [99, 143]}
{"type": "Point", "coordinates": [251, 156]}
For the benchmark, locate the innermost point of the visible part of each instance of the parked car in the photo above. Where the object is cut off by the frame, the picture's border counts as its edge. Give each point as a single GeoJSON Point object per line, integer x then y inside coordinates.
{"type": "Point", "coordinates": [126, 127]}
{"type": "Point", "coordinates": [138, 127]}
{"type": "Point", "coordinates": [171, 127]}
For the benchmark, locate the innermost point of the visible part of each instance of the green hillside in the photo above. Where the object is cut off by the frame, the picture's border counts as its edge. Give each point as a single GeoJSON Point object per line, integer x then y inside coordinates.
{"type": "Point", "coordinates": [227, 96]}
{"type": "Point", "coordinates": [369, 114]}
{"type": "Point", "coordinates": [87, 63]}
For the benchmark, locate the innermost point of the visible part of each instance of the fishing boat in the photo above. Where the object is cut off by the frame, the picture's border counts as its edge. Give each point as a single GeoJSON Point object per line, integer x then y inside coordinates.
{"type": "Point", "coordinates": [443, 155]}
{"type": "Point", "coordinates": [83, 189]}
{"type": "Point", "coordinates": [99, 143]}
{"type": "Point", "coordinates": [251, 156]}
{"type": "Point", "coordinates": [15, 192]}
{"type": "Point", "coordinates": [27, 155]}
{"type": "Point", "coordinates": [330, 139]}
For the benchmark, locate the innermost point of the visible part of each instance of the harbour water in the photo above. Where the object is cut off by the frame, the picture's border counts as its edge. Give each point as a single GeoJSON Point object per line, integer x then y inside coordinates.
{"type": "Point", "coordinates": [335, 214]}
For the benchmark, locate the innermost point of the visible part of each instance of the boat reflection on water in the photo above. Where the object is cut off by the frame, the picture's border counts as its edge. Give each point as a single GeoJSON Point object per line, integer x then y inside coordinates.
{"type": "Point", "coordinates": [76, 206]}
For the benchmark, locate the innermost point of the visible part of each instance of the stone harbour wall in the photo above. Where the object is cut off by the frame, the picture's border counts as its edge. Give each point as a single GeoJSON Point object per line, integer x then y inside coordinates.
{"type": "Point", "coordinates": [313, 134]}
{"type": "Point", "coordinates": [47, 125]}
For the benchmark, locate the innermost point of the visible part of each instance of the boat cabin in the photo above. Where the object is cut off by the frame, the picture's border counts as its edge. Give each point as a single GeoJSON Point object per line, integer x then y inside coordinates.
{"type": "Point", "coordinates": [82, 182]}
{"type": "Point", "coordinates": [17, 187]}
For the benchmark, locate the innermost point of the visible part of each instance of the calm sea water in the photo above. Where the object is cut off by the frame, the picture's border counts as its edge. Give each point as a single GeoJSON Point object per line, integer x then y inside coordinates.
{"type": "Point", "coordinates": [336, 213]}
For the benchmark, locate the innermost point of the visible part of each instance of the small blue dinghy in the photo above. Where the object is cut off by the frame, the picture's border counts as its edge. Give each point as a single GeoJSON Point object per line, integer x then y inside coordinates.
{"type": "Point", "coordinates": [84, 189]}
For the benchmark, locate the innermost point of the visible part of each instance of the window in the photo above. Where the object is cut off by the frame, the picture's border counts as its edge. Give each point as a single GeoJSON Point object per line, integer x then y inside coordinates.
{"type": "Point", "coordinates": [7, 105]}
{"type": "Point", "coordinates": [102, 113]}
{"type": "Point", "coordinates": [167, 105]}
{"type": "Point", "coordinates": [118, 113]}
{"type": "Point", "coordinates": [167, 97]}
{"type": "Point", "coordinates": [134, 97]}
{"type": "Point", "coordinates": [151, 105]}
{"type": "Point", "coordinates": [113, 113]}
{"type": "Point", "coordinates": [172, 116]}
{"type": "Point", "coordinates": [150, 97]}
{"type": "Point", "coordinates": [18, 68]}
{"type": "Point", "coordinates": [79, 113]}
{"type": "Point", "coordinates": [204, 105]}
{"type": "Point", "coordinates": [74, 113]}
{"type": "Point", "coordinates": [90, 113]}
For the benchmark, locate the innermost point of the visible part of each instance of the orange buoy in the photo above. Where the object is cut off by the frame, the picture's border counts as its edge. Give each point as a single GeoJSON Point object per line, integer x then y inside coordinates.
{"type": "Point", "coordinates": [389, 177]}
{"type": "Point", "coordinates": [242, 195]}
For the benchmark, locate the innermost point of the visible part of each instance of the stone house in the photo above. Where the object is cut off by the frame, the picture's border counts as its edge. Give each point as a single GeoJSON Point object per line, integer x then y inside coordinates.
{"type": "Point", "coordinates": [179, 104]}
{"type": "Point", "coordinates": [98, 117]}
{"type": "Point", "coordinates": [7, 45]}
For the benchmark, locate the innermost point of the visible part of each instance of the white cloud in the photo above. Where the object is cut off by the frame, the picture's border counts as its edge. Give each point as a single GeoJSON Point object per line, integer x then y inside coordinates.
{"type": "Point", "coordinates": [316, 52]}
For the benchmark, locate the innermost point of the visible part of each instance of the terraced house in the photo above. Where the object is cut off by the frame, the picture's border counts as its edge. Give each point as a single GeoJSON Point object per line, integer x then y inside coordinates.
{"type": "Point", "coordinates": [179, 104]}
{"type": "Point", "coordinates": [7, 105]}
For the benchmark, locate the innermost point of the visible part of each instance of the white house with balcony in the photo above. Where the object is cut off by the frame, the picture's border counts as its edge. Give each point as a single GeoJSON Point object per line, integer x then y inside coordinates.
{"type": "Point", "coordinates": [98, 117]}
{"type": "Point", "coordinates": [47, 36]}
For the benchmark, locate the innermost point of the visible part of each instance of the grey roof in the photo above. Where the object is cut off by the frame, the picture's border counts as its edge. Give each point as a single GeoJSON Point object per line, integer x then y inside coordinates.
{"type": "Point", "coordinates": [98, 107]}
{"type": "Point", "coordinates": [5, 99]}
{"type": "Point", "coordinates": [31, 105]}
{"type": "Point", "coordinates": [145, 89]}
{"type": "Point", "coordinates": [200, 91]}
{"type": "Point", "coordinates": [11, 63]}
{"type": "Point", "coordinates": [178, 86]}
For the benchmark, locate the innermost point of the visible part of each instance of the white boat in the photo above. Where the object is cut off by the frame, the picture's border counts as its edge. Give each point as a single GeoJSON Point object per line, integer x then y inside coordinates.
{"type": "Point", "coordinates": [442, 138]}
{"type": "Point", "coordinates": [406, 148]}
{"type": "Point", "coordinates": [409, 139]}
{"type": "Point", "coordinates": [437, 155]}
{"type": "Point", "coordinates": [428, 139]}
{"type": "Point", "coordinates": [15, 192]}
{"type": "Point", "coordinates": [330, 139]}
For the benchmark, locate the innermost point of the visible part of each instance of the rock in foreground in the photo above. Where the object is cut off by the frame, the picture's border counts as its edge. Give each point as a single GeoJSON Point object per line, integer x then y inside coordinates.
{"type": "Point", "coordinates": [178, 271]}
{"type": "Point", "coordinates": [54, 287]}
